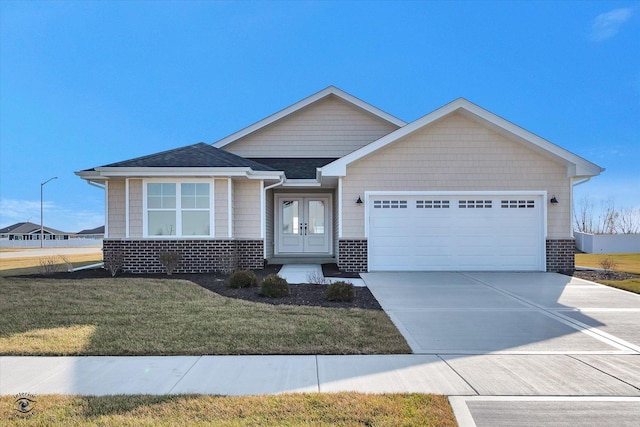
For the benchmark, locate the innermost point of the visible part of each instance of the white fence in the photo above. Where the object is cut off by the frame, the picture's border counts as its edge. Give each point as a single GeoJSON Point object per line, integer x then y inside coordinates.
{"type": "Point", "coordinates": [70, 243]}
{"type": "Point", "coordinates": [607, 243]}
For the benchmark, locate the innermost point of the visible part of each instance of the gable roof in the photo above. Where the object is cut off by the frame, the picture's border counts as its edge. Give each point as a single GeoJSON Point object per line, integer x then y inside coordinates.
{"type": "Point", "coordinates": [329, 91]}
{"type": "Point", "coordinates": [199, 158]}
{"type": "Point", "coordinates": [28, 228]}
{"type": "Point", "coordinates": [577, 166]}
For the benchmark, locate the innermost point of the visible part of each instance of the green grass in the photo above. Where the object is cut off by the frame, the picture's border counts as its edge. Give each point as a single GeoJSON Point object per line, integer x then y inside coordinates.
{"type": "Point", "coordinates": [628, 263]}
{"type": "Point", "coordinates": [631, 285]}
{"type": "Point", "coordinates": [341, 409]}
{"type": "Point", "coordinates": [142, 316]}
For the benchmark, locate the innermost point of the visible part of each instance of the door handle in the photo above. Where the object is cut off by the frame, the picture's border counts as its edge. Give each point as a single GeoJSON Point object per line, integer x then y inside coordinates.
{"type": "Point", "coordinates": [305, 228]}
{"type": "Point", "coordinates": [301, 230]}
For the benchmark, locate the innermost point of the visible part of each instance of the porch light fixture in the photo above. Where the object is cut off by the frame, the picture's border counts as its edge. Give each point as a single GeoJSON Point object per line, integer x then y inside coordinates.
{"type": "Point", "coordinates": [359, 201]}
{"type": "Point", "coordinates": [553, 200]}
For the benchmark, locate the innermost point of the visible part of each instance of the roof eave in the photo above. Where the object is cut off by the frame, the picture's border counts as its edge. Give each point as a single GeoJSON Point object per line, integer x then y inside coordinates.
{"type": "Point", "coordinates": [103, 173]}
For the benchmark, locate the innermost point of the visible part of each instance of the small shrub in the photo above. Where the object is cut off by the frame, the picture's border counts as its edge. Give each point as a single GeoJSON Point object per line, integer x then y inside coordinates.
{"type": "Point", "coordinates": [274, 286]}
{"type": "Point", "coordinates": [169, 260]}
{"type": "Point", "coordinates": [316, 278]}
{"type": "Point", "coordinates": [48, 265]}
{"type": "Point", "coordinates": [609, 264]}
{"type": "Point", "coordinates": [228, 263]}
{"type": "Point", "coordinates": [67, 263]}
{"type": "Point", "coordinates": [340, 291]}
{"type": "Point", "coordinates": [114, 262]}
{"type": "Point", "coordinates": [243, 279]}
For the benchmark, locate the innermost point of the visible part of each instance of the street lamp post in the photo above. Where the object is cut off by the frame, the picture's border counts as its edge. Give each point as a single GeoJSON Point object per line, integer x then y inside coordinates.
{"type": "Point", "coordinates": [41, 217]}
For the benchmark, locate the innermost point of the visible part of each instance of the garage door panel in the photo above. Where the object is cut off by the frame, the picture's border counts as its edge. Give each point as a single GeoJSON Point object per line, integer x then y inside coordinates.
{"type": "Point", "coordinates": [490, 232]}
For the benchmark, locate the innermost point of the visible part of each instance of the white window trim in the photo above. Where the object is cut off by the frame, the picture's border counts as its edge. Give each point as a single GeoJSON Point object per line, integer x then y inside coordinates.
{"type": "Point", "coordinates": [126, 208]}
{"type": "Point", "coordinates": [178, 182]}
{"type": "Point", "coordinates": [106, 209]}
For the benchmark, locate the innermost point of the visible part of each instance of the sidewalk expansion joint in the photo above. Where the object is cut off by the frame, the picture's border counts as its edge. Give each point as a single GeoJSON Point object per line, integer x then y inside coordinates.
{"type": "Point", "coordinates": [604, 372]}
{"type": "Point", "coordinates": [184, 375]}
{"type": "Point", "coordinates": [458, 374]}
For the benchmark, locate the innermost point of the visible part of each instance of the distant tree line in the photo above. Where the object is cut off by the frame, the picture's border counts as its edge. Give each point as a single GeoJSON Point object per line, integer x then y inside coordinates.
{"type": "Point", "coordinates": [607, 220]}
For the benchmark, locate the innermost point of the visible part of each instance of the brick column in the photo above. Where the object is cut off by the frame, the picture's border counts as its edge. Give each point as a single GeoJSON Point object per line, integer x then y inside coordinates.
{"type": "Point", "coordinates": [561, 255]}
{"type": "Point", "coordinates": [352, 255]}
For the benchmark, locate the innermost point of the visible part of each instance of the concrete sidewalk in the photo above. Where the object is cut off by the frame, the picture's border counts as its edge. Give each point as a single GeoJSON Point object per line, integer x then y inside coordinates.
{"type": "Point", "coordinates": [460, 375]}
{"type": "Point", "coordinates": [228, 375]}
{"type": "Point", "coordinates": [492, 390]}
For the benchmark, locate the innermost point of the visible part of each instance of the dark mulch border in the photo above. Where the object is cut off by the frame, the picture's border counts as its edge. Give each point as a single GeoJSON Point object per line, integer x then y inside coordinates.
{"type": "Point", "coordinates": [301, 294]}
{"type": "Point", "coordinates": [597, 275]}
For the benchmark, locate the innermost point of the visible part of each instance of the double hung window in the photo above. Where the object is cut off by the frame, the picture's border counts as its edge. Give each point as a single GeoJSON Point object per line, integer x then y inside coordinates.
{"type": "Point", "coordinates": [180, 209]}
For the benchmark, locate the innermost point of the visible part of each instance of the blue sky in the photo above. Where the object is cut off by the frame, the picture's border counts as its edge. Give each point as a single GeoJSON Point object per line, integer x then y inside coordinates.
{"type": "Point", "coordinates": [84, 84]}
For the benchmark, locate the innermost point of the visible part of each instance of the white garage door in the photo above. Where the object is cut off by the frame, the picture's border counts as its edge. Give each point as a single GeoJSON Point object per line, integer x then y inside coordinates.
{"type": "Point", "coordinates": [456, 232]}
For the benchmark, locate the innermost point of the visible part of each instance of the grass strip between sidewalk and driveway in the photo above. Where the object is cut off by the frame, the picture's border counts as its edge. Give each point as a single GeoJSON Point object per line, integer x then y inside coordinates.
{"type": "Point", "coordinates": [148, 316]}
{"type": "Point", "coordinates": [340, 409]}
{"type": "Point", "coordinates": [631, 285]}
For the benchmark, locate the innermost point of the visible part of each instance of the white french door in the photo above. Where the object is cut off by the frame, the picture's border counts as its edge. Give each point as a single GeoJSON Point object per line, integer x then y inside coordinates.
{"type": "Point", "coordinates": [303, 224]}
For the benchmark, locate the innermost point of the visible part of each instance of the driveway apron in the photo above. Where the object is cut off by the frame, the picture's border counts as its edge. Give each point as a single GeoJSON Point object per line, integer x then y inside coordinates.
{"type": "Point", "coordinates": [529, 344]}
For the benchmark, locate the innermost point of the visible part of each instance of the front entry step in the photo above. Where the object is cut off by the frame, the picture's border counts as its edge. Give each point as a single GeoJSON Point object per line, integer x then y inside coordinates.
{"type": "Point", "coordinates": [302, 260]}
{"type": "Point", "coordinates": [300, 273]}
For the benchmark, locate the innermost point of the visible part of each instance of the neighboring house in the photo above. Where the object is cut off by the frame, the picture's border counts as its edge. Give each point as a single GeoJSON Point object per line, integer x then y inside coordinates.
{"type": "Point", "coordinates": [31, 231]}
{"type": "Point", "coordinates": [332, 177]}
{"type": "Point", "coordinates": [93, 233]}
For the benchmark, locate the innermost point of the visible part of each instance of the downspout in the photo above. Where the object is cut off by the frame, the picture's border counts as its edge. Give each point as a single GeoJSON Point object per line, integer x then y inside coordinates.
{"type": "Point", "coordinates": [574, 185]}
{"type": "Point", "coordinates": [273, 185]}
{"type": "Point", "coordinates": [95, 184]}
{"type": "Point", "coordinates": [264, 222]}
{"type": "Point", "coordinates": [584, 181]}
{"type": "Point", "coordinates": [106, 208]}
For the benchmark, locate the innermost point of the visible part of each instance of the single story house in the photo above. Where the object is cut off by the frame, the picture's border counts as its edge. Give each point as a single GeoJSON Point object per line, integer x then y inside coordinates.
{"type": "Point", "coordinates": [91, 233]}
{"type": "Point", "coordinates": [30, 231]}
{"type": "Point", "coordinates": [332, 177]}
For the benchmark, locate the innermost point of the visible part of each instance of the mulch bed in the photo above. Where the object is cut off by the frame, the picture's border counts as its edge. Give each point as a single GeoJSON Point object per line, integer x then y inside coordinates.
{"type": "Point", "coordinates": [301, 294]}
{"type": "Point", "coordinates": [596, 275]}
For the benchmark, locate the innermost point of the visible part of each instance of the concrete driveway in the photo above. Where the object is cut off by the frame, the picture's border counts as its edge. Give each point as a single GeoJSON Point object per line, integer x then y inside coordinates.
{"type": "Point", "coordinates": [530, 345]}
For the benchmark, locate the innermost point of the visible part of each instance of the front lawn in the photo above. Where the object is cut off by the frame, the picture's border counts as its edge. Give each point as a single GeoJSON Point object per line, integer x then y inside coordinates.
{"type": "Point", "coordinates": [629, 263]}
{"type": "Point", "coordinates": [340, 409]}
{"type": "Point", "coordinates": [162, 316]}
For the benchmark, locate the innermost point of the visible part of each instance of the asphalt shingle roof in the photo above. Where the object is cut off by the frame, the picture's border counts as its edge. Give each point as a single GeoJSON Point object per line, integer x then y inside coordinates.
{"type": "Point", "coordinates": [26, 228]}
{"type": "Point", "coordinates": [192, 156]}
{"type": "Point", "coordinates": [296, 168]}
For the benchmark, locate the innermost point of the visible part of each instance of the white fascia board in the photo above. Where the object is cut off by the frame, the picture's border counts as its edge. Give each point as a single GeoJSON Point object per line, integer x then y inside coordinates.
{"type": "Point", "coordinates": [582, 166]}
{"type": "Point", "coordinates": [105, 172]}
{"type": "Point", "coordinates": [301, 183]}
{"type": "Point", "coordinates": [265, 175]}
{"type": "Point", "coordinates": [331, 90]}
{"type": "Point", "coordinates": [90, 175]}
